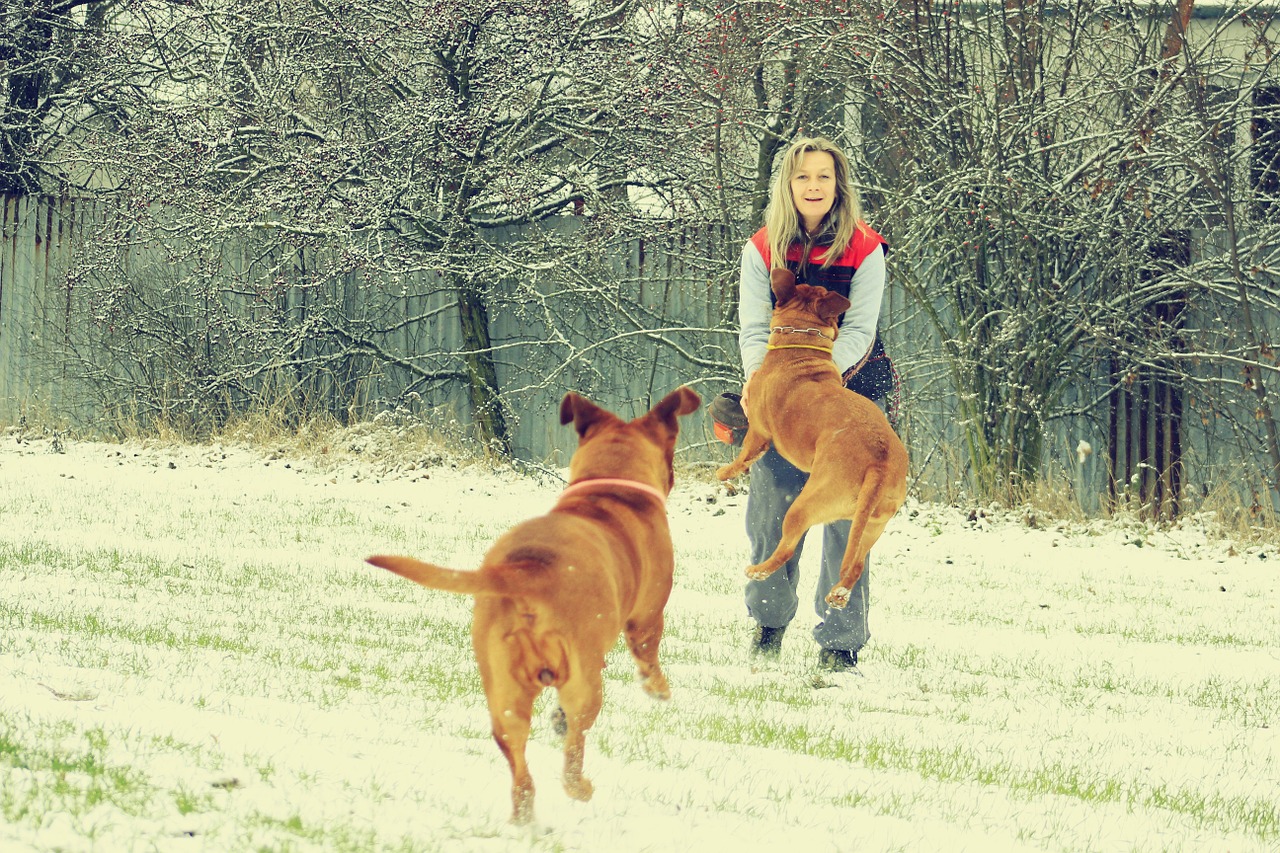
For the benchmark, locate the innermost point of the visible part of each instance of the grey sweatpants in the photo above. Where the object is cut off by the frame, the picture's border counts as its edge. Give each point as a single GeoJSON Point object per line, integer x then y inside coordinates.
{"type": "Point", "coordinates": [773, 602]}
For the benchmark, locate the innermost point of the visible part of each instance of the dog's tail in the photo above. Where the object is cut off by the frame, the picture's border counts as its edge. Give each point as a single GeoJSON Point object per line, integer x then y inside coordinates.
{"type": "Point", "coordinates": [481, 582]}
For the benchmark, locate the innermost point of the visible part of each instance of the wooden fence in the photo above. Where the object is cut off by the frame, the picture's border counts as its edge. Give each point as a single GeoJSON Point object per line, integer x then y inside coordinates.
{"type": "Point", "coordinates": [683, 332]}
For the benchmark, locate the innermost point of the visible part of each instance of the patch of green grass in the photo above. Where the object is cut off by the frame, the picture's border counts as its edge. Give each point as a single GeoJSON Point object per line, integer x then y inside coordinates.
{"type": "Point", "coordinates": [1258, 815]}
{"type": "Point", "coordinates": [1250, 704]}
{"type": "Point", "coordinates": [1196, 636]}
{"type": "Point", "coordinates": [908, 656]}
{"type": "Point", "coordinates": [300, 834]}
{"type": "Point", "coordinates": [101, 626]}
{"type": "Point", "coordinates": [266, 767]}
{"type": "Point", "coordinates": [1241, 701]}
{"type": "Point", "coordinates": [190, 802]}
{"type": "Point", "coordinates": [66, 770]}
{"type": "Point", "coordinates": [791, 693]}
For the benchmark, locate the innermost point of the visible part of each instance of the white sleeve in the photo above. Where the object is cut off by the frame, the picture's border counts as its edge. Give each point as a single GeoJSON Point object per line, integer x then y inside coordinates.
{"type": "Point", "coordinates": [858, 328]}
{"type": "Point", "coordinates": [755, 309]}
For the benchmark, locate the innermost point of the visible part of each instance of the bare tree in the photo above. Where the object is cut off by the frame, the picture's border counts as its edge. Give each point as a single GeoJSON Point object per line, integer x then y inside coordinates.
{"type": "Point", "coordinates": [1220, 144]}
{"type": "Point", "coordinates": [384, 141]}
{"type": "Point", "coordinates": [1039, 227]}
{"type": "Point", "coordinates": [46, 48]}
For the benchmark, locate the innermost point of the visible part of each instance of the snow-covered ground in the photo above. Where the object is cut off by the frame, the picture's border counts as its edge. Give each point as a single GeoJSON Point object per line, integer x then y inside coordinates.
{"type": "Point", "coordinates": [193, 656]}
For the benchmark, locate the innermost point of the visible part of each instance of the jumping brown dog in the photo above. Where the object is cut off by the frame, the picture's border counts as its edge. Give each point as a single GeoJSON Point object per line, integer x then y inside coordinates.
{"type": "Point", "coordinates": [857, 465]}
{"type": "Point", "coordinates": [554, 592]}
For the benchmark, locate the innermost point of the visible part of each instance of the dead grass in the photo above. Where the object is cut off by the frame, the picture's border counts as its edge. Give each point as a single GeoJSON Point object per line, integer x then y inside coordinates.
{"type": "Point", "coordinates": [401, 440]}
{"type": "Point", "coordinates": [1225, 517]}
{"type": "Point", "coordinates": [390, 441]}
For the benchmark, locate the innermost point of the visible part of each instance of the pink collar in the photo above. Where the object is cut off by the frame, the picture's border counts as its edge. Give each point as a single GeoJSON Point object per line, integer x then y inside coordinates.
{"type": "Point", "coordinates": [583, 485]}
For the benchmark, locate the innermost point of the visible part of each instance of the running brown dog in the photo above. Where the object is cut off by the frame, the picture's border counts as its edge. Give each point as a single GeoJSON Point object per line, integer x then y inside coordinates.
{"type": "Point", "coordinates": [857, 465]}
{"type": "Point", "coordinates": [554, 592]}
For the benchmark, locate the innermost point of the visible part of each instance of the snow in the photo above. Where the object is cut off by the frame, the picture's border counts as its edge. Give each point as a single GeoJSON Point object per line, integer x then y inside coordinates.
{"type": "Point", "coordinates": [193, 656]}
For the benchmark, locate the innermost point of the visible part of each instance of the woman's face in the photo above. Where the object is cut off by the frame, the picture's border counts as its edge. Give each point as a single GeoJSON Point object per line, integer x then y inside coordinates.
{"type": "Point", "coordinates": [813, 188]}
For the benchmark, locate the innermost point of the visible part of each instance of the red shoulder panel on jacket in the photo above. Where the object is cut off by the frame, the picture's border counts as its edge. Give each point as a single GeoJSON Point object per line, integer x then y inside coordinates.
{"type": "Point", "coordinates": [864, 242]}
{"type": "Point", "coordinates": [761, 241]}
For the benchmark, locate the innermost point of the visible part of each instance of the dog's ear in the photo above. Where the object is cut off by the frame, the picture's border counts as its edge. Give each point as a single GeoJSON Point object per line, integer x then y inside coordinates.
{"type": "Point", "coordinates": [783, 284]}
{"type": "Point", "coordinates": [832, 305]}
{"type": "Point", "coordinates": [682, 401]}
{"type": "Point", "coordinates": [580, 410]}
{"type": "Point", "coordinates": [662, 417]}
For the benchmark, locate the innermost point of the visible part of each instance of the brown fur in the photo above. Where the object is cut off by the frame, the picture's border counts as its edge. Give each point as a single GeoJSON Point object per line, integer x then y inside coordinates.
{"type": "Point", "coordinates": [554, 592]}
{"type": "Point", "coordinates": [857, 464]}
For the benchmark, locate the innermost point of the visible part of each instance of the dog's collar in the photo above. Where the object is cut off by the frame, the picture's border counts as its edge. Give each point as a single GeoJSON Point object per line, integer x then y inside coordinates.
{"type": "Point", "coordinates": [792, 330]}
{"type": "Point", "coordinates": [585, 485]}
{"type": "Point", "coordinates": [797, 346]}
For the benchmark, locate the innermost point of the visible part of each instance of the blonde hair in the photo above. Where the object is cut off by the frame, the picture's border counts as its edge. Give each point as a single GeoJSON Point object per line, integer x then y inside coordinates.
{"type": "Point", "coordinates": [782, 221]}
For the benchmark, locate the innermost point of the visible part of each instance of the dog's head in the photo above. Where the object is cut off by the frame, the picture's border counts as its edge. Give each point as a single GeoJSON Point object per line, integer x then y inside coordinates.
{"type": "Point", "coordinates": [642, 449]}
{"type": "Point", "coordinates": [804, 305]}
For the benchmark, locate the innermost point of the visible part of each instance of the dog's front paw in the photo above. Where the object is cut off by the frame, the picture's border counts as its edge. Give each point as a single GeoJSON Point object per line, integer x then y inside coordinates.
{"type": "Point", "coordinates": [838, 597]}
{"type": "Point", "coordinates": [760, 572]}
{"type": "Point", "coordinates": [726, 472]}
{"type": "Point", "coordinates": [522, 806]}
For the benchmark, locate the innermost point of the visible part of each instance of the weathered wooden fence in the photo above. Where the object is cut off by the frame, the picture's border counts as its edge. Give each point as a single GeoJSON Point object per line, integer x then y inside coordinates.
{"type": "Point", "coordinates": [681, 329]}
{"type": "Point", "coordinates": [38, 312]}
{"type": "Point", "coordinates": [400, 343]}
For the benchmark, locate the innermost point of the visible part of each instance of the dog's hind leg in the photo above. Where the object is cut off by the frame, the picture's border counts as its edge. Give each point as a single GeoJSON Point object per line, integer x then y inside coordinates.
{"type": "Point", "coordinates": [643, 637]}
{"type": "Point", "coordinates": [868, 524]}
{"type": "Point", "coordinates": [852, 565]}
{"type": "Point", "coordinates": [580, 698]}
{"type": "Point", "coordinates": [510, 710]}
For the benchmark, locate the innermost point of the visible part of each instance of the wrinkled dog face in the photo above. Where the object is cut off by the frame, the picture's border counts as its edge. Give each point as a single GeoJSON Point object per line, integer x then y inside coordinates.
{"type": "Point", "coordinates": [804, 306]}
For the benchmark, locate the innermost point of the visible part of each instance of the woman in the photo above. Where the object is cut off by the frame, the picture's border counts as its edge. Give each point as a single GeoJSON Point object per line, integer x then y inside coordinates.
{"type": "Point", "coordinates": [814, 227]}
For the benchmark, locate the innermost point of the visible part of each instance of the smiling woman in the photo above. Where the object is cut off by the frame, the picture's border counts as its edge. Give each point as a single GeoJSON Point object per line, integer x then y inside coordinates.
{"type": "Point", "coordinates": [812, 202]}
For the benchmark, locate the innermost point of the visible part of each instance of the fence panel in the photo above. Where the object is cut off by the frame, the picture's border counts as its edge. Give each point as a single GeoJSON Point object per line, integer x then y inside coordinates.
{"type": "Point", "coordinates": [682, 288]}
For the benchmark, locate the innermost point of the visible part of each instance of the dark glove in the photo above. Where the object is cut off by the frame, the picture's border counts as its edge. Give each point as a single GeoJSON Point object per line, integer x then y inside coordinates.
{"type": "Point", "coordinates": [728, 420]}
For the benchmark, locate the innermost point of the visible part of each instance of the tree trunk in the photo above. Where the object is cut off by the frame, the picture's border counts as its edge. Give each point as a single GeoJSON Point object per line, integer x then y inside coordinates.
{"type": "Point", "coordinates": [482, 373]}
{"type": "Point", "coordinates": [25, 50]}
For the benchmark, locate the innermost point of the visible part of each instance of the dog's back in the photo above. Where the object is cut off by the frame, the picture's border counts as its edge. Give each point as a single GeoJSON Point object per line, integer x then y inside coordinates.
{"type": "Point", "coordinates": [813, 409]}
